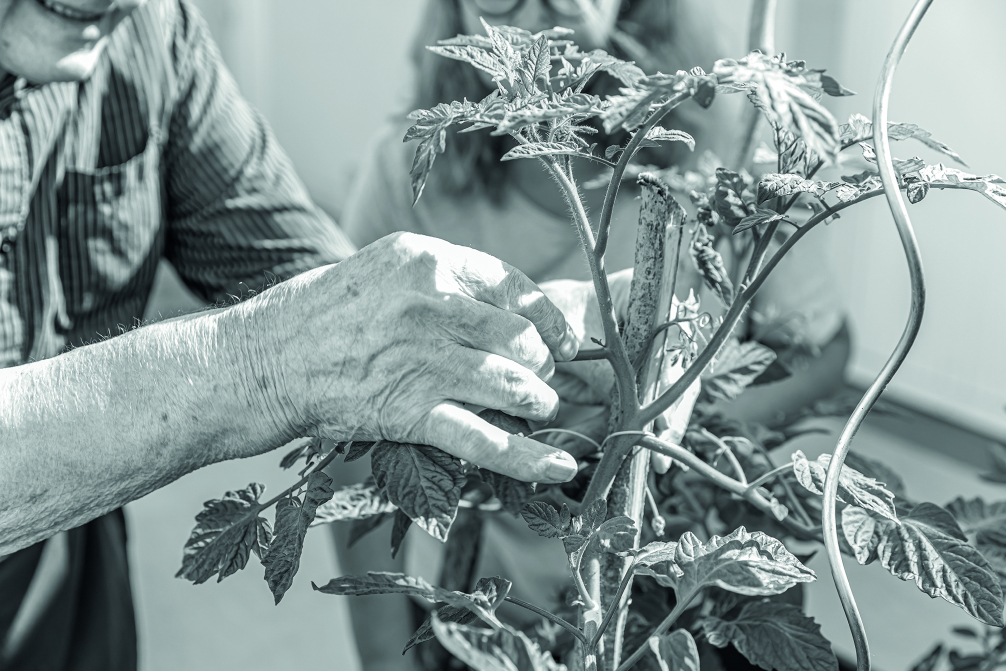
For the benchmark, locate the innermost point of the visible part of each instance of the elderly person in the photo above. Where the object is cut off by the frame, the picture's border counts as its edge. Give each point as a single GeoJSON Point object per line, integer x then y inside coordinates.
{"type": "Point", "coordinates": [123, 140]}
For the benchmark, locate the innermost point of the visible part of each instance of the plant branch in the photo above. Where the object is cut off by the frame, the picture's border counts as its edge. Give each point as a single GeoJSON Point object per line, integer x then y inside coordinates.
{"type": "Point", "coordinates": [761, 480]}
{"type": "Point", "coordinates": [650, 412]}
{"type": "Point", "coordinates": [549, 616]}
{"type": "Point", "coordinates": [623, 162]}
{"type": "Point", "coordinates": [899, 212]}
{"type": "Point", "coordinates": [679, 608]}
{"type": "Point", "coordinates": [613, 606]}
{"type": "Point", "coordinates": [303, 481]}
{"type": "Point", "coordinates": [725, 449]}
{"type": "Point", "coordinates": [588, 600]}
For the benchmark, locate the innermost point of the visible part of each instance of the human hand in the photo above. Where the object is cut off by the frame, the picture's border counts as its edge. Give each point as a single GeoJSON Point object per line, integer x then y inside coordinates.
{"type": "Point", "coordinates": [399, 341]}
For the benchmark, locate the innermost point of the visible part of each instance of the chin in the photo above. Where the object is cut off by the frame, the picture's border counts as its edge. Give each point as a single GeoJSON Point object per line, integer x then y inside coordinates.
{"type": "Point", "coordinates": [74, 67]}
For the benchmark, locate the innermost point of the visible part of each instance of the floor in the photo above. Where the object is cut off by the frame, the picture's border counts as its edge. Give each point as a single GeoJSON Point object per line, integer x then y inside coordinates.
{"type": "Point", "coordinates": [234, 624]}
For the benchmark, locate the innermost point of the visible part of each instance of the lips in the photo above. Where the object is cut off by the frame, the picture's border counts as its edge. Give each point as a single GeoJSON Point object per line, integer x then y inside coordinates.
{"type": "Point", "coordinates": [72, 13]}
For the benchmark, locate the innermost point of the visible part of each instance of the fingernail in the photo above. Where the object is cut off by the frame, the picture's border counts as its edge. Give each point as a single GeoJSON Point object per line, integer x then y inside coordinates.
{"type": "Point", "coordinates": [570, 346]}
{"type": "Point", "coordinates": [561, 467]}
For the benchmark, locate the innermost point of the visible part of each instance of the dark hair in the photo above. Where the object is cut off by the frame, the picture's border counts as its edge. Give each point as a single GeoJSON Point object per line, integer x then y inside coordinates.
{"type": "Point", "coordinates": [656, 34]}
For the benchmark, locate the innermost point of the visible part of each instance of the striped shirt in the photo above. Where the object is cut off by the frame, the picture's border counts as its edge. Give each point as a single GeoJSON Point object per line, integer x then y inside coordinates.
{"type": "Point", "coordinates": [154, 156]}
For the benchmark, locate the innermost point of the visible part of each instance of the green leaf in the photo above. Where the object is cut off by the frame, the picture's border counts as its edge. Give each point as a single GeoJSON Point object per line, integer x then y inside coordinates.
{"type": "Point", "coordinates": [860, 129]}
{"type": "Point", "coordinates": [513, 494]}
{"type": "Point", "coordinates": [928, 547]}
{"type": "Point", "coordinates": [593, 515]}
{"type": "Point", "coordinates": [487, 590]}
{"type": "Point", "coordinates": [877, 470]}
{"type": "Point", "coordinates": [617, 534]}
{"type": "Point", "coordinates": [709, 263]}
{"type": "Point", "coordinates": [431, 130]}
{"type": "Point", "coordinates": [661, 134]}
{"type": "Point", "coordinates": [752, 564]}
{"type": "Point", "coordinates": [761, 216]}
{"type": "Point", "coordinates": [625, 71]}
{"type": "Point", "coordinates": [379, 582]}
{"type": "Point", "coordinates": [485, 650]}
{"type": "Point", "coordinates": [776, 185]}
{"type": "Point", "coordinates": [354, 502]}
{"type": "Point", "coordinates": [774, 635]}
{"type": "Point", "coordinates": [931, 660]}
{"type": "Point", "coordinates": [421, 480]}
{"type": "Point", "coordinates": [853, 486]}
{"type": "Point", "coordinates": [360, 528]}
{"type": "Point", "coordinates": [293, 517]}
{"type": "Point", "coordinates": [539, 149]}
{"type": "Point", "coordinates": [630, 109]}
{"type": "Point", "coordinates": [833, 88]}
{"type": "Point", "coordinates": [917, 191]}
{"type": "Point", "coordinates": [399, 527]}
{"type": "Point", "coordinates": [736, 367]}
{"type": "Point", "coordinates": [786, 92]}
{"type": "Point", "coordinates": [537, 63]}
{"type": "Point", "coordinates": [545, 520]}
{"type": "Point", "coordinates": [358, 449]}
{"type": "Point", "coordinates": [991, 186]}
{"type": "Point", "coordinates": [476, 56]}
{"type": "Point", "coordinates": [227, 530]}
{"type": "Point", "coordinates": [985, 525]}
{"type": "Point", "coordinates": [675, 651]}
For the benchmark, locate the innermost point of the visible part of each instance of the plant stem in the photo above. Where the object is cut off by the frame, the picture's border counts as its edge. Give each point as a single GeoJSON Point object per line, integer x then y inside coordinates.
{"type": "Point", "coordinates": [613, 606]}
{"type": "Point", "coordinates": [759, 481]}
{"type": "Point", "coordinates": [912, 254]}
{"type": "Point", "coordinates": [623, 162]}
{"type": "Point", "coordinates": [661, 629]}
{"type": "Point", "coordinates": [549, 616]}
{"type": "Point", "coordinates": [650, 412]}
{"type": "Point", "coordinates": [588, 601]}
{"type": "Point", "coordinates": [592, 354]}
{"type": "Point", "coordinates": [300, 483]}
{"type": "Point", "coordinates": [731, 457]}
{"type": "Point", "coordinates": [761, 36]}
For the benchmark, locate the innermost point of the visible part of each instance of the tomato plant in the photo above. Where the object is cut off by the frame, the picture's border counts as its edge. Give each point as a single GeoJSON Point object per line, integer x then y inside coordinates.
{"type": "Point", "coordinates": [725, 578]}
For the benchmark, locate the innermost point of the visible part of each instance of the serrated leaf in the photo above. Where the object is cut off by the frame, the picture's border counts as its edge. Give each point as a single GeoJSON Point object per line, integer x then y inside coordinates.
{"type": "Point", "coordinates": [580, 105]}
{"type": "Point", "coordinates": [484, 650]}
{"type": "Point", "coordinates": [487, 590]}
{"type": "Point", "coordinates": [293, 518]}
{"type": "Point", "coordinates": [774, 635]}
{"type": "Point", "coordinates": [752, 564]}
{"type": "Point", "coordinates": [354, 502]}
{"type": "Point", "coordinates": [625, 71]}
{"type": "Point", "coordinates": [593, 515]}
{"type": "Point", "coordinates": [380, 582]}
{"type": "Point", "coordinates": [431, 130]}
{"type": "Point", "coordinates": [539, 149]}
{"type": "Point", "coordinates": [877, 470]}
{"type": "Point", "coordinates": [544, 520]}
{"type": "Point", "coordinates": [473, 55]}
{"type": "Point", "coordinates": [227, 530]}
{"type": "Point", "coordinates": [710, 265]}
{"type": "Point", "coordinates": [785, 92]}
{"type": "Point", "coordinates": [360, 528]}
{"type": "Point", "coordinates": [928, 547]}
{"type": "Point", "coordinates": [761, 216]}
{"type": "Point", "coordinates": [358, 449]}
{"type": "Point", "coordinates": [538, 61]}
{"type": "Point", "coordinates": [901, 166]}
{"type": "Point", "coordinates": [860, 129]}
{"type": "Point", "coordinates": [399, 528]}
{"type": "Point", "coordinates": [661, 134]}
{"type": "Point", "coordinates": [424, 482]}
{"type": "Point", "coordinates": [736, 367]}
{"type": "Point", "coordinates": [513, 494]}
{"type": "Point", "coordinates": [977, 517]}
{"type": "Point", "coordinates": [991, 186]}
{"type": "Point", "coordinates": [617, 534]}
{"type": "Point", "coordinates": [917, 191]}
{"type": "Point", "coordinates": [675, 651]}
{"type": "Point", "coordinates": [778, 185]}
{"type": "Point", "coordinates": [630, 109]}
{"type": "Point", "coordinates": [853, 486]}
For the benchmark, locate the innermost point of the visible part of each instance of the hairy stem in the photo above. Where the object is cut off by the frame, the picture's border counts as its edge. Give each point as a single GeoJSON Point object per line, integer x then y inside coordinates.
{"type": "Point", "coordinates": [911, 246]}
{"type": "Point", "coordinates": [623, 162]}
{"type": "Point", "coordinates": [549, 616]}
{"type": "Point", "coordinates": [651, 411]}
{"type": "Point", "coordinates": [679, 608]}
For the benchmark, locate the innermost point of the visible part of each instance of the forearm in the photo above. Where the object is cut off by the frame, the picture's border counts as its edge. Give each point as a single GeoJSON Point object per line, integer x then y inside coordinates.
{"type": "Point", "coordinates": [88, 431]}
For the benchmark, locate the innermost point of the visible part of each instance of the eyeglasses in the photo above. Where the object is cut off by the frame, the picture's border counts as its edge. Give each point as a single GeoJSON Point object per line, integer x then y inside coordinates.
{"type": "Point", "coordinates": [497, 8]}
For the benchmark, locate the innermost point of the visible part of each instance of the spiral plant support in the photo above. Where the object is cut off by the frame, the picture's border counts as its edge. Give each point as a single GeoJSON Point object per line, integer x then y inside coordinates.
{"type": "Point", "coordinates": [918, 288]}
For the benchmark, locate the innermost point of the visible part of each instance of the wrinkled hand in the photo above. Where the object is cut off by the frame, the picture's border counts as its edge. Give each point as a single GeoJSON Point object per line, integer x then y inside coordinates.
{"type": "Point", "coordinates": [585, 387]}
{"type": "Point", "coordinates": [401, 340]}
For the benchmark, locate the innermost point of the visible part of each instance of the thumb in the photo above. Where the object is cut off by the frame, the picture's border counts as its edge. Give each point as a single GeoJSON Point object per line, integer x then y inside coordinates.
{"type": "Point", "coordinates": [458, 431]}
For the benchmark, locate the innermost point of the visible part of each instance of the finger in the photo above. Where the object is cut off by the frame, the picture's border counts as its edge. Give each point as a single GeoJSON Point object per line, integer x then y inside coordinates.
{"type": "Point", "coordinates": [492, 381]}
{"type": "Point", "coordinates": [457, 431]}
{"type": "Point", "coordinates": [500, 284]}
{"type": "Point", "coordinates": [487, 328]}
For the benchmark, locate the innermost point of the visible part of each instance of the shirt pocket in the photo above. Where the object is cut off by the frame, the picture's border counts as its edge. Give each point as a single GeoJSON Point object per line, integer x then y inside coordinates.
{"type": "Point", "coordinates": [111, 229]}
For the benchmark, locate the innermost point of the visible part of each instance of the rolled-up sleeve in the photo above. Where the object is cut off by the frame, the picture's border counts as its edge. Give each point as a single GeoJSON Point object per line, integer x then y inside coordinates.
{"type": "Point", "coordinates": [238, 215]}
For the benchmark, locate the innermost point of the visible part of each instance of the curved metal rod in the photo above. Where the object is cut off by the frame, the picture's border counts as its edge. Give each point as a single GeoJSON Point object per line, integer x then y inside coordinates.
{"type": "Point", "coordinates": [911, 246]}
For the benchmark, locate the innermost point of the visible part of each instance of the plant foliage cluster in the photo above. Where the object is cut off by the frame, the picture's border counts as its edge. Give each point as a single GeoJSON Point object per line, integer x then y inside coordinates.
{"type": "Point", "coordinates": [699, 546]}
